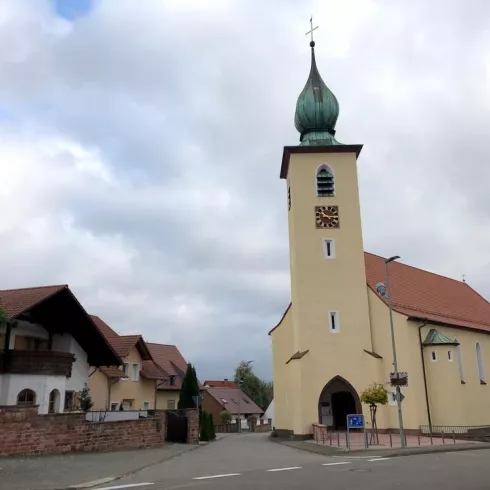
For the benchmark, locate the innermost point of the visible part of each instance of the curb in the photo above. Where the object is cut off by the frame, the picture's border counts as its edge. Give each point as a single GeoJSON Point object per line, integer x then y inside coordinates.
{"type": "Point", "coordinates": [359, 454]}
{"type": "Point", "coordinates": [109, 479]}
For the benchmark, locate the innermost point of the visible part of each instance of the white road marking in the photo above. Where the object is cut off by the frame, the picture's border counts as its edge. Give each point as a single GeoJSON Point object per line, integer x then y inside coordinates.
{"type": "Point", "coordinates": [215, 476]}
{"type": "Point", "coordinates": [287, 469]}
{"type": "Point", "coordinates": [333, 464]}
{"type": "Point", "coordinates": [126, 486]}
{"type": "Point", "coordinates": [377, 459]}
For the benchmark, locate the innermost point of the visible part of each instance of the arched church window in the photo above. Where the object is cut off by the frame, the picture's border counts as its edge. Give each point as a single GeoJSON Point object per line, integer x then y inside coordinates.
{"type": "Point", "coordinates": [481, 368]}
{"type": "Point", "coordinates": [325, 185]}
{"type": "Point", "coordinates": [459, 358]}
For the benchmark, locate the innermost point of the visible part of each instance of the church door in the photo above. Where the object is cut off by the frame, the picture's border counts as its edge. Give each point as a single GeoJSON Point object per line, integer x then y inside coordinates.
{"type": "Point", "coordinates": [343, 404]}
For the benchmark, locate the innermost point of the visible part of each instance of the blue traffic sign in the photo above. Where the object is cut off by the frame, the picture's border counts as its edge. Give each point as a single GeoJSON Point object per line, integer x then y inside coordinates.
{"type": "Point", "coordinates": [355, 421]}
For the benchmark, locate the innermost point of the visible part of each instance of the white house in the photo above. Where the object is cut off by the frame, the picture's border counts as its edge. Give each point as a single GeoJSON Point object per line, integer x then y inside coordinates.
{"type": "Point", "coordinates": [47, 343]}
{"type": "Point", "coordinates": [269, 414]}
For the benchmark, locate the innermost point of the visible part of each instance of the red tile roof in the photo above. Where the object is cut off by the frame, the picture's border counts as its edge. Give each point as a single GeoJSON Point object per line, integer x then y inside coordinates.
{"type": "Point", "coordinates": [221, 384]}
{"type": "Point", "coordinates": [106, 331]}
{"type": "Point", "coordinates": [16, 301]}
{"type": "Point", "coordinates": [421, 294]}
{"type": "Point", "coordinates": [234, 400]}
{"type": "Point", "coordinates": [169, 358]}
{"type": "Point", "coordinates": [151, 370]}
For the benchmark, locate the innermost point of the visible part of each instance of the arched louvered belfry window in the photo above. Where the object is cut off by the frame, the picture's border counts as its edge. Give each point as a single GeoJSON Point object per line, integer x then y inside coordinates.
{"type": "Point", "coordinates": [325, 184]}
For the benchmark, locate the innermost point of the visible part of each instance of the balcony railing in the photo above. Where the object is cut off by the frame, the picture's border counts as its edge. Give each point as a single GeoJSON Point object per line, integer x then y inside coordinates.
{"type": "Point", "coordinates": [36, 362]}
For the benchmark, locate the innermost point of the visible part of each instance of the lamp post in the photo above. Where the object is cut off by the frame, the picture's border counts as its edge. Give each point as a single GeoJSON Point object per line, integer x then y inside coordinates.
{"type": "Point", "coordinates": [393, 345]}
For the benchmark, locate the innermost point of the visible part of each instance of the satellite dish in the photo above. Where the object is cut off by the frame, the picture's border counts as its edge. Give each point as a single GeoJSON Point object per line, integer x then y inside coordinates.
{"type": "Point", "coordinates": [381, 289]}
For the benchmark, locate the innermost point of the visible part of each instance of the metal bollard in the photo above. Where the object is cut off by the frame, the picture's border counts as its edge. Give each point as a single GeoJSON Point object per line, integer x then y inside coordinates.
{"type": "Point", "coordinates": [391, 440]}
{"type": "Point", "coordinates": [347, 445]}
{"type": "Point", "coordinates": [418, 437]}
{"type": "Point", "coordinates": [454, 438]}
{"type": "Point", "coordinates": [323, 437]}
{"type": "Point", "coordinates": [338, 439]}
{"type": "Point", "coordinates": [443, 440]}
{"type": "Point", "coordinates": [330, 437]}
{"type": "Point", "coordinates": [431, 441]}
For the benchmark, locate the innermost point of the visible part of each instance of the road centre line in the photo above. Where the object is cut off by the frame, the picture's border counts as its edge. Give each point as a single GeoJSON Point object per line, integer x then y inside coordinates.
{"type": "Point", "coordinates": [377, 459]}
{"type": "Point", "coordinates": [130, 485]}
{"type": "Point", "coordinates": [286, 469]}
{"type": "Point", "coordinates": [334, 464]}
{"type": "Point", "coordinates": [215, 476]}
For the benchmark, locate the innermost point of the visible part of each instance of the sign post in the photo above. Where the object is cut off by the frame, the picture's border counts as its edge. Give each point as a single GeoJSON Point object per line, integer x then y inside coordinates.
{"type": "Point", "coordinates": [356, 421]}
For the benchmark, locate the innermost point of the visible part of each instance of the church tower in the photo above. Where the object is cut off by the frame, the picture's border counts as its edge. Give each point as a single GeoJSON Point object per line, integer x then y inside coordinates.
{"type": "Point", "coordinates": [329, 316]}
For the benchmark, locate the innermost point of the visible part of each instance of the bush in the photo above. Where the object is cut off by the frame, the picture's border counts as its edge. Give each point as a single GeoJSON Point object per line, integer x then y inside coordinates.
{"type": "Point", "coordinates": [206, 426]}
{"type": "Point", "coordinates": [85, 399]}
{"type": "Point", "coordinates": [225, 417]}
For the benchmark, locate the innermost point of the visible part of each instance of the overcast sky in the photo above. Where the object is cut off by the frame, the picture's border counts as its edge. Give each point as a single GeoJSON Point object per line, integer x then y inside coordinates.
{"type": "Point", "coordinates": [141, 140]}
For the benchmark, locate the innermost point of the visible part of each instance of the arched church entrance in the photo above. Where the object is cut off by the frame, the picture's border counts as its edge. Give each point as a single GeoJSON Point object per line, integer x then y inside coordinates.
{"type": "Point", "coordinates": [337, 400]}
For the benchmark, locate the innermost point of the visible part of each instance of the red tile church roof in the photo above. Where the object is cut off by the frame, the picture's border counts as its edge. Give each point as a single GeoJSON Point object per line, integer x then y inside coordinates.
{"type": "Point", "coordinates": [424, 295]}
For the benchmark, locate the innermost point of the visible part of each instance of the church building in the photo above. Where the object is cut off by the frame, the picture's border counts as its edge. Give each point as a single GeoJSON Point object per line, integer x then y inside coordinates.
{"type": "Point", "coordinates": [334, 340]}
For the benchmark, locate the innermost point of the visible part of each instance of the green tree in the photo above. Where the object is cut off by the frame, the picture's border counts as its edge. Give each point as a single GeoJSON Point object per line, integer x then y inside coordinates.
{"type": "Point", "coordinates": [189, 389]}
{"type": "Point", "coordinates": [376, 394]}
{"type": "Point", "coordinates": [85, 399]}
{"type": "Point", "coordinates": [260, 391]}
{"type": "Point", "coordinates": [206, 426]}
{"type": "Point", "coordinates": [225, 417]}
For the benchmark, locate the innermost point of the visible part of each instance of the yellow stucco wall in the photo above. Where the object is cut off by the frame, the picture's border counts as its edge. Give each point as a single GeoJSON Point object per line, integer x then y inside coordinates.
{"type": "Point", "coordinates": [98, 384]}
{"type": "Point", "coordinates": [163, 397]}
{"type": "Point", "coordinates": [138, 392]}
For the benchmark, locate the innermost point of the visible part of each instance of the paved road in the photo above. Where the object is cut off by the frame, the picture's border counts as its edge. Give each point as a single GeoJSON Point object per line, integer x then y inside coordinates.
{"type": "Point", "coordinates": [251, 461]}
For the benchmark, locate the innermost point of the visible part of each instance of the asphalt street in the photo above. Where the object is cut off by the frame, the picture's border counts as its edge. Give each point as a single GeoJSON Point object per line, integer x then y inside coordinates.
{"type": "Point", "coordinates": [251, 461]}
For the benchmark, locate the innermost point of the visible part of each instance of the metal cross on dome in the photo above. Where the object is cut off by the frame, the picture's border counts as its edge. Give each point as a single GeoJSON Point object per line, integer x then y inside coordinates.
{"type": "Point", "coordinates": [311, 28]}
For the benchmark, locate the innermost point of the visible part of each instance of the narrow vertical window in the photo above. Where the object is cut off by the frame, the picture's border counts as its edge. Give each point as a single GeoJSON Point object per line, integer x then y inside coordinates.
{"type": "Point", "coordinates": [433, 356]}
{"type": "Point", "coordinates": [328, 248]}
{"type": "Point", "coordinates": [450, 355]}
{"type": "Point", "coordinates": [289, 198]}
{"type": "Point", "coordinates": [460, 363]}
{"type": "Point", "coordinates": [136, 372]}
{"type": "Point", "coordinates": [334, 321]}
{"type": "Point", "coordinates": [481, 368]}
{"type": "Point", "coordinates": [325, 185]}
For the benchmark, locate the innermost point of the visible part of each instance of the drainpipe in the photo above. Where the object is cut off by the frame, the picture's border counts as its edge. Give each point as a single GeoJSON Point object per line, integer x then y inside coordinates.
{"type": "Point", "coordinates": [425, 376]}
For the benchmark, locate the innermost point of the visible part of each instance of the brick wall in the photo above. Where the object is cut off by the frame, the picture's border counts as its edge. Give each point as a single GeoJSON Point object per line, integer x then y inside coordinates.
{"type": "Point", "coordinates": [263, 428]}
{"type": "Point", "coordinates": [24, 432]}
{"type": "Point", "coordinates": [192, 425]}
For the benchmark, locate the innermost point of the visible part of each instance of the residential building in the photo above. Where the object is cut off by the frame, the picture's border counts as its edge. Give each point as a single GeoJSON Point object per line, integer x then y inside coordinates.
{"type": "Point", "coordinates": [333, 340]}
{"type": "Point", "coordinates": [133, 386]}
{"type": "Point", "coordinates": [168, 358]}
{"type": "Point", "coordinates": [46, 348]}
{"type": "Point", "coordinates": [232, 400]}
{"type": "Point", "coordinates": [220, 384]}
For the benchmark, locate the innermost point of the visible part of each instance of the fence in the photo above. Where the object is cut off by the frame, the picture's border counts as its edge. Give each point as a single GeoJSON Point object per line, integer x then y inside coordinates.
{"type": "Point", "coordinates": [438, 430]}
{"type": "Point", "coordinates": [99, 416]}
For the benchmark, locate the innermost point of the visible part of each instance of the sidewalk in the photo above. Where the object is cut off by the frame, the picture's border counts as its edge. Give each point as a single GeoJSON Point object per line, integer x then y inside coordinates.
{"type": "Point", "coordinates": [380, 451]}
{"type": "Point", "coordinates": [61, 472]}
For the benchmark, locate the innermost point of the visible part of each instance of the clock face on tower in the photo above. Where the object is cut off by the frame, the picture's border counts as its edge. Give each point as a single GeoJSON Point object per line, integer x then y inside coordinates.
{"type": "Point", "coordinates": [327, 216]}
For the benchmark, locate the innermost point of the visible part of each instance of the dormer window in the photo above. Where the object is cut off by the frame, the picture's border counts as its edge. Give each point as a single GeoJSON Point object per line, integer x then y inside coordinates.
{"type": "Point", "coordinates": [172, 380]}
{"type": "Point", "coordinates": [325, 186]}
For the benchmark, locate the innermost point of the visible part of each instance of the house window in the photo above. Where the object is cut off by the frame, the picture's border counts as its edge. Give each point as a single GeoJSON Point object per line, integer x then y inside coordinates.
{"type": "Point", "coordinates": [136, 372]}
{"type": "Point", "coordinates": [325, 182]}
{"type": "Point", "coordinates": [433, 356]}
{"type": "Point", "coordinates": [69, 401]}
{"type": "Point", "coordinates": [450, 355]}
{"type": "Point", "coordinates": [481, 368]}
{"type": "Point", "coordinates": [26, 398]}
{"type": "Point", "coordinates": [114, 407]}
{"type": "Point", "coordinates": [172, 380]}
{"type": "Point", "coordinates": [460, 363]}
{"type": "Point", "coordinates": [54, 402]}
{"type": "Point", "coordinates": [171, 404]}
{"type": "Point", "coordinates": [334, 321]}
{"type": "Point", "coordinates": [127, 404]}
{"type": "Point", "coordinates": [328, 248]}
{"type": "Point", "coordinates": [146, 405]}
{"type": "Point", "coordinates": [126, 370]}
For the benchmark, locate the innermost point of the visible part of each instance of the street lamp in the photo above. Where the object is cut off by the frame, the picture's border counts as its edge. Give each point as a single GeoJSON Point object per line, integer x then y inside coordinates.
{"type": "Point", "coordinates": [393, 345]}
